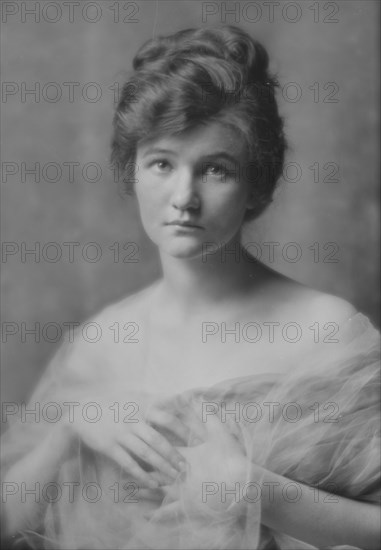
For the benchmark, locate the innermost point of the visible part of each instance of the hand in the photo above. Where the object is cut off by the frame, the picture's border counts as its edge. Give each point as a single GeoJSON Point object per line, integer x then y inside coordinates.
{"type": "Point", "coordinates": [214, 468]}
{"type": "Point", "coordinates": [176, 419]}
{"type": "Point", "coordinates": [135, 445]}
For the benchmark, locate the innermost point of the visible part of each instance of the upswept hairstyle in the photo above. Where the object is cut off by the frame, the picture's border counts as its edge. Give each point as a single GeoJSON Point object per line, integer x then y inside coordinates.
{"type": "Point", "coordinates": [199, 76]}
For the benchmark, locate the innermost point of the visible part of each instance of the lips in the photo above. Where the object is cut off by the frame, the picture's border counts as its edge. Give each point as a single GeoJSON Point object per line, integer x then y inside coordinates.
{"type": "Point", "coordinates": [184, 224]}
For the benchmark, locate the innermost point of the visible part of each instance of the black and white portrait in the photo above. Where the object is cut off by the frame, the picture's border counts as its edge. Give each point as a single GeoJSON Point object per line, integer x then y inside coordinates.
{"type": "Point", "coordinates": [190, 259]}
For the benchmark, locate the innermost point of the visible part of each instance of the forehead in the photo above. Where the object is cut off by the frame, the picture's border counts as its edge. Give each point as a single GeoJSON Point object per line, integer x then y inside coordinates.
{"type": "Point", "coordinates": [202, 141]}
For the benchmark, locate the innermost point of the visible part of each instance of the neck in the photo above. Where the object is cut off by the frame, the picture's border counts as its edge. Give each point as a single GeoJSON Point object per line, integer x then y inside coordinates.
{"type": "Point", "coordinates": [216, 277]}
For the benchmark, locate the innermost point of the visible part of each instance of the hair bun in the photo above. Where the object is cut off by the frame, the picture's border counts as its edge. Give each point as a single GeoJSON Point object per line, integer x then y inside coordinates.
{"type": "Point", "coordinates": [228, 42]}
{"type": "Point", "coordinates": [150, 51]}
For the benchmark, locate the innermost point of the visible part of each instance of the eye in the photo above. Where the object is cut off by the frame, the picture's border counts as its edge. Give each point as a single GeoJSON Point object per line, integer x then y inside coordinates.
{"type": "Point", "coordinates": [213, 169]}
{"type": "Point", "coordinates": [161, 165]}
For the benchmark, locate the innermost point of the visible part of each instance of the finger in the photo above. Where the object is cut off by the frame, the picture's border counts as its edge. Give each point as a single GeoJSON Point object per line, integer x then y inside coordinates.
{"type": "Point", "coordinates": [171, 493]}
{"type": "Point", "coordinates": [123, 459]}
{"type": "Point", "coordinates": [159, 443]}
{"type": "Point", "coordinates": [156, 495]}
{"type": "Point", "coordinates": [186, 420]}
{"type": "Point", "coordinates": [168, 421]}
{"type": "Point", "coordinates": [163, 480]}
{"type": "Point", "coordinates": [148, 454]}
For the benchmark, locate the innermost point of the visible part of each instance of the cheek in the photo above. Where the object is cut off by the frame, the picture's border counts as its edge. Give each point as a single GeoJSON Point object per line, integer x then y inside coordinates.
{"type": "Point", "coordinates": [229, 207]}
{"type": "Point", "coordinates": [148, 200]}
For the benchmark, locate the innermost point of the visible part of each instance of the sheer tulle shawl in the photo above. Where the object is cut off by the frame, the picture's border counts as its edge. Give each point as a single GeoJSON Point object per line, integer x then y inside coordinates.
{"type": "Point", "coordinates": [318, 425]}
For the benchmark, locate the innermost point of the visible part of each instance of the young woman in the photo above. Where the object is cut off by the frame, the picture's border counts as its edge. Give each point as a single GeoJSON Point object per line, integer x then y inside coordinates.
{"type": "Point", "coordinates": [237, 408]}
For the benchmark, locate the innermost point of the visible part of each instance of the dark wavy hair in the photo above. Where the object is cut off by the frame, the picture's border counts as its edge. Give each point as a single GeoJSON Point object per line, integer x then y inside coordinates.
{"type": "Point", "coordinates": [195, 77]}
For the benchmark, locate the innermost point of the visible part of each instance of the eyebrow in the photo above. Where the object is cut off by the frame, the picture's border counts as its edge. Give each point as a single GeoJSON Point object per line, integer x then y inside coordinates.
{"type": "Point", "coordinates": [220, 155]}
{"type": "Point", "coordinates": [217, 154]}
{"type": "Point", "coordinates": [155, 150]}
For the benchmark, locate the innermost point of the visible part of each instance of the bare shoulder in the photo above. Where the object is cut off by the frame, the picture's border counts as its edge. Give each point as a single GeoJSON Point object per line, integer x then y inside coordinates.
{"type": "Point", "coordinates": [307, 304]}
{"type": "Point", "coordinates": [109, 339]}
{"type": "Point", "coordinates": [133, 307]}
{"type": "Point", "coordinates": [328, 306]}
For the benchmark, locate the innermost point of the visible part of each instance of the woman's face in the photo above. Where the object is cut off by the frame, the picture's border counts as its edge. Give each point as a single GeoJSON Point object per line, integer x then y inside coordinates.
{"type": "Point", "coordinates": [196, 179]}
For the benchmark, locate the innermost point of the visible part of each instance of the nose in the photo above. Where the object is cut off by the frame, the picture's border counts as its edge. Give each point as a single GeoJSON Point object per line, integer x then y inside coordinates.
{"type": "Point", "coordinates": [185, 195]}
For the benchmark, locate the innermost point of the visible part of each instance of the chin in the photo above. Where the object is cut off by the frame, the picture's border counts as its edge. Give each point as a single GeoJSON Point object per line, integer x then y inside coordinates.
{"type": "Point", "coordinates": [185, 251]}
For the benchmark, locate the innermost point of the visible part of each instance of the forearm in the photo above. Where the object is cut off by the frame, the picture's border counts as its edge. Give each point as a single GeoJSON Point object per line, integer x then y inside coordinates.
{"type": "Point", "coordinates": [33, 472]}
{"type": "Point", "coordinates": [316, 516]}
